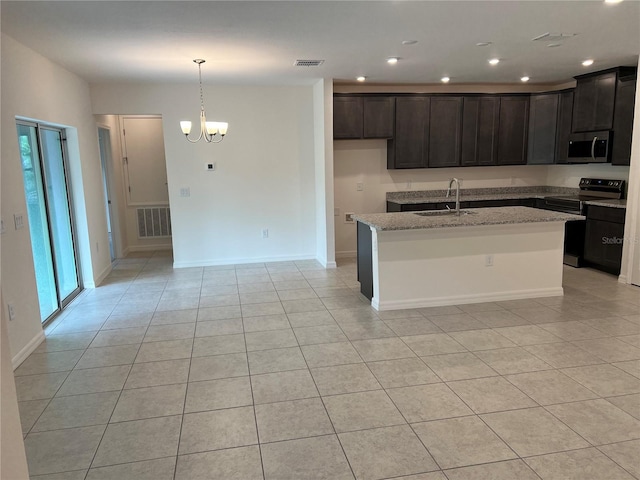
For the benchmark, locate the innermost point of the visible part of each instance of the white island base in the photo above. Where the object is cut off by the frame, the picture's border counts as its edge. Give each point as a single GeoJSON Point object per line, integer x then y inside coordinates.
{"type": "Point", "coordinates": [458, 265]}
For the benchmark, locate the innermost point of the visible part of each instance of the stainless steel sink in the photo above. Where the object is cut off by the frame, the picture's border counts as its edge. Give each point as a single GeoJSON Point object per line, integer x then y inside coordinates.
{"type": "Point", "coordinates": [442, 213]}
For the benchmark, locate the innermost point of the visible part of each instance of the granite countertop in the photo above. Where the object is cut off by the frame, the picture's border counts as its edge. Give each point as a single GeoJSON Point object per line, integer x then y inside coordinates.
{"type": "Point", "coordinates": [479, 217]}
{"type": "Point", "coordinates": [472, 194]}
{"type": "Point", "coordinates": [608, 203]}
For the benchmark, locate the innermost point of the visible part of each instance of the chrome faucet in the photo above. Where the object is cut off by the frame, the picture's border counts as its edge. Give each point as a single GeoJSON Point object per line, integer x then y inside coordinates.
{"type": "Point", "coordinates": [457, 210]}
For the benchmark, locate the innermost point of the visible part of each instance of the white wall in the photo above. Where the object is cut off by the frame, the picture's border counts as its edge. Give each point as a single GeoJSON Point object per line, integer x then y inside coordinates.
{"type": "Point", "coordinates": [35, 88]}
{"type": "Point", "coordinates": [265, 169]}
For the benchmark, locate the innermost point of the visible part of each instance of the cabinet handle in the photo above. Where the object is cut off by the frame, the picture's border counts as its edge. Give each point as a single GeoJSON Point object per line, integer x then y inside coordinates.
{"type": "Point", "coordinates": [593, 148]}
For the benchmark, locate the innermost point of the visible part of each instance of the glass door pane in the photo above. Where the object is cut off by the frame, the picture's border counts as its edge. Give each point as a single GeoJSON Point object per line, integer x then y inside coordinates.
{"type": "Point", "coordinates": [59, 213]}
{"type": "Point", "coordinates": [38, 225]}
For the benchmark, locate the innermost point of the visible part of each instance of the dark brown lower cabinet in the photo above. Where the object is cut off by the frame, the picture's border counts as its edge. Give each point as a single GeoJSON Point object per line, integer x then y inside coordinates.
{"type": "Point", "coordinates": [365, 260]}
{"type": "Point", "coordinates": [604, 235]}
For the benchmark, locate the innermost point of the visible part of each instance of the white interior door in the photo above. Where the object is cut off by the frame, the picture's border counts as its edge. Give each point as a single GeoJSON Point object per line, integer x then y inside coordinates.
{"type": "Point", "coordinates": [145, 166]}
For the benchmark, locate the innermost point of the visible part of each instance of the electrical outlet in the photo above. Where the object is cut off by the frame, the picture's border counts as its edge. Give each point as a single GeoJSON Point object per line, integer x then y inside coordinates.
{"type": "Point", "coordinates": [359, 186]}
{"type": "Point", "coordinates": [265, 233]}
{"type": "Point", "coordinates": [488, 261]}
{"type": "Point", "coordinates": [210, 167]}
{"type": "Point", "coordinates": [18, 220]}
{"type": "Point", "coordinates": [2, 229]}
{"type": "Point", "coordinates": [348, 217]}
{"type": "Point", "coordinates": [336, 212]}
{"type": "Point", "coordinates": [12, 311]}
{"type": "Point", "coordinates": [185, 192]}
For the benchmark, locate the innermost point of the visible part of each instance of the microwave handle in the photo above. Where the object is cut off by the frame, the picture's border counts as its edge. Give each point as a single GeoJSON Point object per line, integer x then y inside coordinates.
{"type": "Point", "coordinates": [593, 148]}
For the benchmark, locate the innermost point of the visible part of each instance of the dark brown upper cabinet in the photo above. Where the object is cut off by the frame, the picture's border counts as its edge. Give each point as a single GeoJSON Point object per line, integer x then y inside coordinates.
{"type": "Point", "coordinates": [594, 102]}
{"type": "Point", "coordinates": [543, 125]}
{"type": "Point", "coordinates": [480, 116]}
{"type": "Point", "coordinates": [565, 112]}
{"type": "Point", "coordinates": [356, 117]}
{"type": "Point", "coordinates": [445, 131]}
{"type": "Point", "coordinates": [512, 131]}
{"type": "Point", "coordinates": [378, 113]}
{"type": "Point", "coordinates": [347, 117]}
{"type": "Point", "coordinates": [623, 121]}
{"type": "Point", "coordinates": [409, 147]}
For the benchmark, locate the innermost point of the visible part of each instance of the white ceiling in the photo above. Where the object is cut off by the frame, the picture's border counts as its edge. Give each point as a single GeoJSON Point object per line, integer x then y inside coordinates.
{"type": "Point", "coordinates": [258, 42]}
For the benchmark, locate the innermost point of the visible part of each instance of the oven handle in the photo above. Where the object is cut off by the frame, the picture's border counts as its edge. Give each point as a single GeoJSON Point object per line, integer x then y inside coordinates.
{"type": "Point", "coordinates": [593, 148]}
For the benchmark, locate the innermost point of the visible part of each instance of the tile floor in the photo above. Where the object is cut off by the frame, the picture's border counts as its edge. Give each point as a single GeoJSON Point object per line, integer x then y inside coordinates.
{"type": "Point", "coordinates": [281, 371]}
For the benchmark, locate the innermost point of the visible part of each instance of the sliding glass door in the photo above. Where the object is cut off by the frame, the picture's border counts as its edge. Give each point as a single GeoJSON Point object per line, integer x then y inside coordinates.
{"type": "Point", "coordinates": [46, 186]}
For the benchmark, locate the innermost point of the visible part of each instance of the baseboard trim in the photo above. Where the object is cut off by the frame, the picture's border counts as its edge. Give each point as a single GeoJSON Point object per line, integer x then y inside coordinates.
{"type": "Point", "coordinates": [240, 261]}
{"type": "Point", "coordinates": [27, 350]}
{"type": "Point", "coordinates": [623, 279]}
{"type": "Point", "coordinates": [347, 254]}
{"type": "Point", "coordinates": [464, 299]}
{"type": "Point", "coordinates": [100, 278]}
{"type": "Point", "coordinates": [147, 248]}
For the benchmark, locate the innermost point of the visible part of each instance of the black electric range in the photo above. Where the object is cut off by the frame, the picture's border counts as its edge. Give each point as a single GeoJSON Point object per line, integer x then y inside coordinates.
{"type": "Point", "coordinates": [590, 189]}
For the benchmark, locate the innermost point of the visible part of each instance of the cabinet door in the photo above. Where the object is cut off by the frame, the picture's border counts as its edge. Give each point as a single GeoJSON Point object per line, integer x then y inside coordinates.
{"type": "Point", "coordinates": [378, 117]}
{"type": "Point", "coordinates": [543, 123]}
{"type": "Point", "coordinates": [623, 122]}
{"type": "Point", "coordinates": [565, 111]}
{"type": "Point", "coordinates": [445, 129]}
{"type": "Point", "coordinates": [594, 102]}
{"type": "Point", "coordinates": [512, 131]}
{"type": "Point", "coordinates": [480, 131]}
{"type": "Point", "coordinates": [347, 117]}
{"type": "Point", "coordinates": [603, 244]}
{"type": "Point", "coordinates": [409, 147]}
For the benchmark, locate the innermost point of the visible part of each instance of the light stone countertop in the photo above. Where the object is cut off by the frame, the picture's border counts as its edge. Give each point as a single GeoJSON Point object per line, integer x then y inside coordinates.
{"type": "Point", "coordinates": [473, 194]}
{"type": "Point", "coordinates": [612, 203]}
{"type": "Point", "coordinates": [479, 217]}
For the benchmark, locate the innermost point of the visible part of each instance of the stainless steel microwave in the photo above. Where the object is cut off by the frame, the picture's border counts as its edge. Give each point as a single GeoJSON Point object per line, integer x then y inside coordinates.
{"type": "Point", "coordinates": [589, 147]}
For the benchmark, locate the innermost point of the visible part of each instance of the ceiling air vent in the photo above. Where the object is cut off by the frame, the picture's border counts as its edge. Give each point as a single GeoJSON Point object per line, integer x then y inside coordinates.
{"type": "Point", "coordinates": [308, 63]}
{"type": "Point", "coordinates": [553, 37]}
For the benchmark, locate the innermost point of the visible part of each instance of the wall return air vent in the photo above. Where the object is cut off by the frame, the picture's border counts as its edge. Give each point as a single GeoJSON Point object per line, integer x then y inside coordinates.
{"type": "Point", "coordinates": [308, 63]}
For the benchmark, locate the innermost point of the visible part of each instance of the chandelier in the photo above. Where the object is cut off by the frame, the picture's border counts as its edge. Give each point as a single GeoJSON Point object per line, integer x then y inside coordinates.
{"type": "Point", "coordinates": [211, 132]}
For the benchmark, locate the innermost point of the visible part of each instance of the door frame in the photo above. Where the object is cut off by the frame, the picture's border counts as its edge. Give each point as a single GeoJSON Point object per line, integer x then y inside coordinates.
{"type": "Point", "coordinates": [113, 212]}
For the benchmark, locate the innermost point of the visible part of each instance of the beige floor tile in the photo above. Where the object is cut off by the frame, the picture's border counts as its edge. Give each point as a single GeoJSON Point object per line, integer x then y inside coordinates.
{"type": "Point", "coordinates": [402, 372]}
{"type": "Point", "coordinates": [122, 336]}
{"type": "Point", "coordinates": [458, 366]}
{"type": "Point", "coordinates": [528, 335]}
{"type": "Point", "coordinates": [30, 411]}
{"type": "Point", "coordinates": [386, 452]}
{"type": "Point", "coordinates": [605, 380]}
{"type": "Point", "coordinates": [94, 380]}
{"type": "Point", "coordinates": [499, 318]}
{"type": "Point", "coordinates": [218, 313]}
{"type": "Point", "coordinates": [428, 402]}
{"type": "Point", "coordinates": [411, 325]}
{"type": "Point", "coordinates": [149, 402]}
{"type": "Point", "coordinates": [344, 379]}
{"type": "Point", "coordinates": [512, 360]}
{"type": "Point", "coordinates": [551, 387]}
{"type": "Point", "coordinates": [609, 349]}
{"type": "Point", "coordinates": [319, 334]}
{"type": "Point", "coordinates": [323, 459]}
{"type": "Point", "coordinates": [493, 394]}
{"type": "Point", "coordinates": [218, 366]}
{"type": "Point", "coordinates": [217, 394]}
{"type": "Point", "coordinates": [38, 387]}
{"type": "Point", "coordinates": [219, 345]}
{"type": "Point", "coordinates": [365, 330]}
{"type": "Point", "coordinates": [170, 350]}
{"type": "Point", "coordinates": [276, 360]}
{"type": "Point", "coordinates": [158, 373]}
{"type": "Point", "coordinates": [218, 429]}
{"type": "Point", "coordinates": [628, 403]}
{"type": "Point", "coordinates": [265, 323]}
{"type": "Point", "coordinates": [508, 470]}
{"type": "Point", "coordinates": [358, 411]}
{"type": "Point", "coordinates": [270, 340]}
{"type": "Point", "coordinates": [382, 349]}
{"type": "Point", "coordinates": [160, 469]}
{"type": "Point", "coordinates": [108, 356]}
{"type": "Point", "coordinates": [329, 354]}
{"type": "Point", "coordinates": [625, 454]}
{"type": "Point", "coordinates": [292, 419]}
{"type": "Point", "coordinates": [631, 366]}
{"type": "Point", "coordinates": [77, 411]}
{"type": "Point", "coordinates": [572, 331]}
{"type": "Point", "coordinates": [588, 464]}
{"type": "Point", "coordinates": [62, 450]}
{"type": "Point", "coordinates": [458, 442]}
{"type": "Point", "coordinates": [435, 344]}
{"type": "Point", "coordinates": [562, 355]}
{"type": "Point", "coordinates": [229, 326]}
{"type": "Point", "coordinates": [281, 386]}
{"type": "Point", "coordinates": [475, 340]}
{"type": "Point", "coordinates": [456, 322]}
{"type": "Point", "coordinates": [310, 319]}
{"type": "Point", "coordinates": [70, 341]}
{"type": "Point", "coordinates": [51, 362]}
{"type": "Point", "coordinates": [598, 421]}
{"type": "Point", "coordinates": [533, 431]}
{"type": "Point", "coordinates": [242, 463]}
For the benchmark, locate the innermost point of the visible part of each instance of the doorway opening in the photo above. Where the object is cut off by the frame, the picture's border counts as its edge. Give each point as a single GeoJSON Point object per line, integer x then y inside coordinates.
{"type": "Point", "coordinates": [104, 142]}
{"type": "Point", "coordinates": [45, 169]}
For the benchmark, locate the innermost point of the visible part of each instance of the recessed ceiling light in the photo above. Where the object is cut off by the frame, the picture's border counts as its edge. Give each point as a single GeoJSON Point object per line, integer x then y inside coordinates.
{"type": "Point", "coordinates": [445, 79]}
{"type": "Point", "coordinates": [392, 60]}
{"type": "Point", "coordinates": [361, 78]}
{"type": "Point", "coordinates": [587, 63]}
{"type": "Point", "coordinates": [494, 61]}
{"type": "Point", "coordinates": [483, 44]}
{"type": "Point", "coordinates": [613, 1]}
{"type": "Point", "coordinates": [409, 42]}
{"type": "Point", "coordinates": [524, 79]}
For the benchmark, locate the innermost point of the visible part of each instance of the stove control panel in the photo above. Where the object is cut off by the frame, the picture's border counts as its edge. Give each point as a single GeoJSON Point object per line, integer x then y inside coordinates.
{"type": "Point", "coordinates": [601, 184]}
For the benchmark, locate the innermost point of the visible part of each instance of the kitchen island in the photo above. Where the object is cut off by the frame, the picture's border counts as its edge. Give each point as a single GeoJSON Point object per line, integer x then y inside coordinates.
{"type": "Point", "coordinates": [422, 259]}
